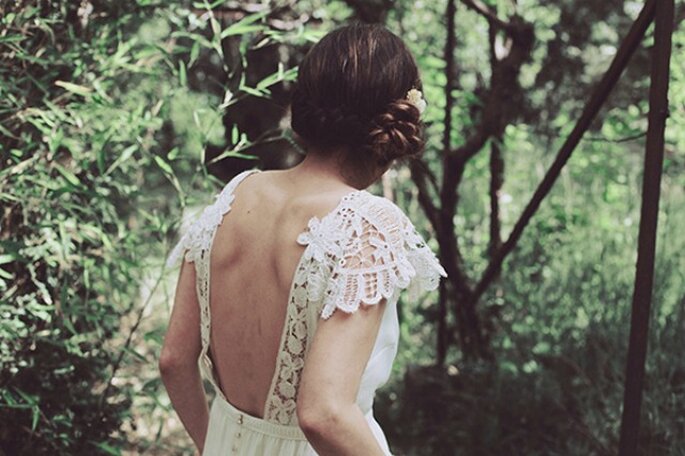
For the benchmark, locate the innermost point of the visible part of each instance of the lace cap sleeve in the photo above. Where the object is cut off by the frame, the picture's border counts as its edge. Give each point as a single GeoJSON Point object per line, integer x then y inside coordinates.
{"type": "Point", "coordinates": [198, 237]}
{"type": "Point", "coordinates": [379, 253]}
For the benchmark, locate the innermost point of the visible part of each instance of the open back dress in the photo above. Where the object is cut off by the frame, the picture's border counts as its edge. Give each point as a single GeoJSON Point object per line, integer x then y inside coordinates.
{"type": "Point", "coordinates": [395, 257]}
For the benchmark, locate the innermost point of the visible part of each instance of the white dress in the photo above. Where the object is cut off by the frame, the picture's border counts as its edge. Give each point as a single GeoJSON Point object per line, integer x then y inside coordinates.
{"type": "Point", "coordinates": [323, 283]}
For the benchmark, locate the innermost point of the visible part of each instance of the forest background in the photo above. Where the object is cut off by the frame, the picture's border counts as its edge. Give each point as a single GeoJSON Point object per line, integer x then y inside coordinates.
{"type": "Point", "coordinates": [120, 119]}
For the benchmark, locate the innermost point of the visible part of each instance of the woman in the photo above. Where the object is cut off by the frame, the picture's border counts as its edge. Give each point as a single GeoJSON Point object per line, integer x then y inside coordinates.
{"type": "Point", "coordinates": [297, 327]}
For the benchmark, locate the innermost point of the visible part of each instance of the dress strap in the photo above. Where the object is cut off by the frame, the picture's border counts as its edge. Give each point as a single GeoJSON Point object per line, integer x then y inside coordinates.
{"type": "Point", "coordinates": [201, 232]}
{"type": "Point", "coordinates": [197, 243]}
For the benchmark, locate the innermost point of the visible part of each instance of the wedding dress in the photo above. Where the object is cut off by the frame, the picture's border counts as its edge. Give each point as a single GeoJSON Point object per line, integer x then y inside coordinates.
{"type": "Point", "coordinates": [323, 283]}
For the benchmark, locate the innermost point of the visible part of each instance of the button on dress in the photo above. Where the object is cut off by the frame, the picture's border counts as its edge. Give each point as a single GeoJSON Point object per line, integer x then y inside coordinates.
{"type": "Point", "coordinates": [364, 250]}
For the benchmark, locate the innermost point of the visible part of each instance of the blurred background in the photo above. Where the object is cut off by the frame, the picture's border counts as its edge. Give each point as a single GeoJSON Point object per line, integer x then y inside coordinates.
{"type": "Point", "coordinates": [120, 120]}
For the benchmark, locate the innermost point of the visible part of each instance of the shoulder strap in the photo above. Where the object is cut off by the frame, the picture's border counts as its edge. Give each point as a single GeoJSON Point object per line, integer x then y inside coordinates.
{"type": "Point", "coordinates": [199, 235]}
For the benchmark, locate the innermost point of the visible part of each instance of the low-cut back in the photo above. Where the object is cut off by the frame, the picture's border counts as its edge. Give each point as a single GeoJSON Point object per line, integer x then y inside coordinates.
{"type": "Point", "coordinates": [321, 284]}
{"type": "Point", "coordinates": [253, 263]}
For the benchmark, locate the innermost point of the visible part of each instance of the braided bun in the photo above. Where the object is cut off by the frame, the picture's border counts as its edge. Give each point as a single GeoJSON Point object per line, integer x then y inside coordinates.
{"type": "Point", "coordinates": [396, 133]}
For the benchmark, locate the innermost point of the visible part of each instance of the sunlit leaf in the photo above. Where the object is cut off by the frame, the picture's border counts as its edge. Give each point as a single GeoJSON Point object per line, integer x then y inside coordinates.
{"type": "Point", "coordinates": [74, 88]}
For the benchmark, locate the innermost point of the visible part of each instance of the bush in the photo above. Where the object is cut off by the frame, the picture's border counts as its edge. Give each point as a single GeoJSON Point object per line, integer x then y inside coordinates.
{"type": "Point", "coordinates": [80, 153]}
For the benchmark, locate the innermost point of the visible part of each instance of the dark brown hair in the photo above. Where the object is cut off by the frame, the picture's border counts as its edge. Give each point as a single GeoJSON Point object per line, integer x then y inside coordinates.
{"type": "Point", "coordinates": [351, 90]}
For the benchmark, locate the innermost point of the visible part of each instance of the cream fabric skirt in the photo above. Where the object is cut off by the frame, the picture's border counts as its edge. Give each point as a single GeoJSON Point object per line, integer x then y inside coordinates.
{"type": "Point", "coordinates": [233, 432]}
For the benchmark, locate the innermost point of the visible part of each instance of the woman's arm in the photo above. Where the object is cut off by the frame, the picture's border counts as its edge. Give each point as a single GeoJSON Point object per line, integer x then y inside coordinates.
{"type": "Point", "coordinates": [178, 362]}
{"type": "Point", "coordinates": [326, 402]}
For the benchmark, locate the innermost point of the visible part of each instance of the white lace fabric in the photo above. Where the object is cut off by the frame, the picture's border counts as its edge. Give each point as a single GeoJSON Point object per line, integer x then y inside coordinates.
{"type": "Point", "coordinates": [371, 250]}
{"type": "Point", "coordinates": [362, 252]}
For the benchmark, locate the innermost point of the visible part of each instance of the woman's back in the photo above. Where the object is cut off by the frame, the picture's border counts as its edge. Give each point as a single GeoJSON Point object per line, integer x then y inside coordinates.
{"type": "Point", "coordinates": [253, 261]}
{"type": "Point", "coordinates": [262, 297]}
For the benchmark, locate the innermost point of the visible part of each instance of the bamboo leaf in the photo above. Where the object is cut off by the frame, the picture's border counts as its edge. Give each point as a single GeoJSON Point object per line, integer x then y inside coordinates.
{"type": "Point", "coordinates": [164, 166]}
{"type": "Point", "coordinates": [246, 25]}
{"type": "Point", "coordinates": [68, 175]}
{"type": "Point", "coordinates": [232, 153]}
{"type": "Point", "coordinates": [35, 416]}
{"type": "Point", "coordinates": [74, 88]}
{"type": "Point", "coordinates": [107, 448]}
{"type": "Point", "coordinates": [238, 29]}
{"type": "Point", "coordinates": [253, 91]}
{"type": "Point", "coordinates": [182, 78]}
{"type": "Point", "coordinates": [7, 258]}
{"type": "Point", "coordinates": [125, 155]}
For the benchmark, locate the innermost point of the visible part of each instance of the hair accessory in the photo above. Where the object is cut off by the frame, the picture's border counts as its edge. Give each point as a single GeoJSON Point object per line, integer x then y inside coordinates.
{"type": "Point", "coordinates": [416, 97]}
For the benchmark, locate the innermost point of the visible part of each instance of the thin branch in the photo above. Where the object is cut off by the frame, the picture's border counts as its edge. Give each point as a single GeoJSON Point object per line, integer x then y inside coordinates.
{"type": "Point", "coordinates": [634, 137]}
{"type": "Point", "coordinates": [421, 175]}
{"type": "Point", "coordinates": [496, 163]}
{"type": "Point", "coordinates": [616, 140]}
{"type": "Point", "coordinates": [485, 11]}
{"type": "Point", "coordinates": [473, 144]}
{"type": "Point", "coordinates": [129, 338]}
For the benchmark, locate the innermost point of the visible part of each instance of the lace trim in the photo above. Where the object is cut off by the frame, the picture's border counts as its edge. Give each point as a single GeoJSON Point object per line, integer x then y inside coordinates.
{"type": "Point", "coordinates": [202, 284]}
{"type": "Point", "coordinates": [281, 400]}
{"type": "Point", "coordinates": [372, 250]}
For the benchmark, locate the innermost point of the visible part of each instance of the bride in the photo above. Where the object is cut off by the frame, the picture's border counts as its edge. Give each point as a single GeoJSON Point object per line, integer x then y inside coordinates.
{"type": "Point", "coordinates": [288, 292]}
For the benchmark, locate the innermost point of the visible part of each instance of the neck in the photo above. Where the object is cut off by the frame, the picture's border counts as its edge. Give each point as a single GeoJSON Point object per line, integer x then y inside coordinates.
{"type": "Point", "coordinates": [326, 165]}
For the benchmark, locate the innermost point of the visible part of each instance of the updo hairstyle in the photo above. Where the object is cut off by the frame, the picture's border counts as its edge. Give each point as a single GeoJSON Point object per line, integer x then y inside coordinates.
{"type": "Point", "coordinates": [351, 90]}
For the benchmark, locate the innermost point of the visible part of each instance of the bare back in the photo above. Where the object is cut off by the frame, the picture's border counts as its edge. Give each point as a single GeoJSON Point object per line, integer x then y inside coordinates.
{"type": "Point", "coordinates": [253, 260]}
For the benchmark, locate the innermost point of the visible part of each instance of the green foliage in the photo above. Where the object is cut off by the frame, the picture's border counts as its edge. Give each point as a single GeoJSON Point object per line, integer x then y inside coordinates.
{"type": "Point", "coordinates": [79, 147]}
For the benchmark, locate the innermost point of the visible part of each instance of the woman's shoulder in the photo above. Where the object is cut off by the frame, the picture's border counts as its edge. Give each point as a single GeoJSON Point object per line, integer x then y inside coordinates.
{"type": "Point", "coordinates": [372, 248]}
{"type": "Point", "coordinates": [199, 229]}
{"type": "Point", "coordinates": [382, 212]}
{"type": "Point", "coordinates": [369, 215]}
